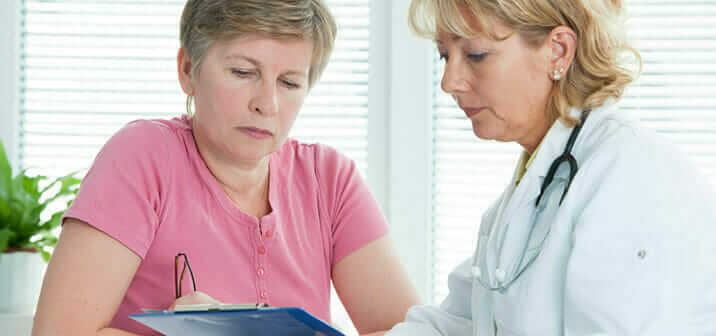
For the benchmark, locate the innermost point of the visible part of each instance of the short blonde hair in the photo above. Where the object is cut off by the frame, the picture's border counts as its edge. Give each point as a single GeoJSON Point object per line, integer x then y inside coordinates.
{"type": "Point", "coordinates": [599, 70]}
{"type": "Point", "coordinates": [206, 21]}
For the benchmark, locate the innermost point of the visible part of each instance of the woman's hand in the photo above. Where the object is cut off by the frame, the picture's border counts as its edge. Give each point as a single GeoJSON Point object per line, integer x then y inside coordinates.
{"type": "Point", "coordinates": [194, 298]}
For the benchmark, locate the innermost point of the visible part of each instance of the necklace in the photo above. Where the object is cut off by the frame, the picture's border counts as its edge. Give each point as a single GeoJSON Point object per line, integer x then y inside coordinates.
{"type": "Point", "coordinates": [256, 207]}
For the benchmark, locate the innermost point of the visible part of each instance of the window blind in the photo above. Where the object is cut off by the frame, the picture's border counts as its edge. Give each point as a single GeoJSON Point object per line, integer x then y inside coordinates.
{"type": "Point", "coordinates": [674, 96]}
{"type": "Point", "coordinates": [89, 67]}
{"type": "Point", "coordinates": [675, 93]}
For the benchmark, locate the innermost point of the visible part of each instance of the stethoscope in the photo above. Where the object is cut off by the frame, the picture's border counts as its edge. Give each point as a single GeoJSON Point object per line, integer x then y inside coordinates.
{"type": "Point", "coordinates": [503, 280]}
{"type": "Point", "coordinates": [565, 157]}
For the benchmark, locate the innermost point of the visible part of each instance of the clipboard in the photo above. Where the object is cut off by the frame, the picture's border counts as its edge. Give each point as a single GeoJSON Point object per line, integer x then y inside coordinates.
{"type": "Point", "coordinates": [289, 321]}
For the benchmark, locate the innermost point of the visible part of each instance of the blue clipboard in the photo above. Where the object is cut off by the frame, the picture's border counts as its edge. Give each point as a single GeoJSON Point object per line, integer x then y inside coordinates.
{"type": "Point", "coordinates": [262, 321]}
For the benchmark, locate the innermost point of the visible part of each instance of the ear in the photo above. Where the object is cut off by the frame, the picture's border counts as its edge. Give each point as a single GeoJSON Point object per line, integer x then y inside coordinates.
{"type": "Point", "coordinates": [563, 43]}
{"type": "Point", "coordinates": [185, 74]}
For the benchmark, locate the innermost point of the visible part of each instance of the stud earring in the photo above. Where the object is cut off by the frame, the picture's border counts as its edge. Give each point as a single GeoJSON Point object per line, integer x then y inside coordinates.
{"type": "Point", "coordinates": [557, 74]}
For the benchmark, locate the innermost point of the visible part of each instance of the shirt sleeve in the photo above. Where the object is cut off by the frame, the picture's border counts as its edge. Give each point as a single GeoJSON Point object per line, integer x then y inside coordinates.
{"type": "Point", "coordinates": [453, 317]}
{"type": "Point", "coordinates": [641, 263]}
{"type": "Point", "coordinates": [121, 193]}
{"type": "Point", "coordinates": [354, 214]}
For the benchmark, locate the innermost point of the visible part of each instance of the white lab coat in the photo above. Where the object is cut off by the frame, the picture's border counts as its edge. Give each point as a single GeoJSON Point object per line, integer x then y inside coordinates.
{"type": "Point", "coordinates": [632, 249]}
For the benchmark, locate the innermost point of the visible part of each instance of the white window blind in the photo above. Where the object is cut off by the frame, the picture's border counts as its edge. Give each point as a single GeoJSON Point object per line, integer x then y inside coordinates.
{"type": "Point", "coordinates": [674, 96]}
{"type": "Point", "coordinates": [89, 67]}
{"type": "Point", "coordinates": [676, 93]}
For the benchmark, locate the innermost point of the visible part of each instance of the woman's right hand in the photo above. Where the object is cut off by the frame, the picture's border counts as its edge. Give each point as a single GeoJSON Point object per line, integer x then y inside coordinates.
{"type": "Point", "coordinates": [194, 298]}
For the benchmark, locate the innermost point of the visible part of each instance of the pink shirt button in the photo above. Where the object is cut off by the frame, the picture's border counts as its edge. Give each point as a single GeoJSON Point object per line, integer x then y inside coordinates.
{"type": "Point", "coordinates": [262, 250]}
{"type": "Point", "coordinates": [268, 234]}
{"type": "Point", "coordinates": [260, 271]}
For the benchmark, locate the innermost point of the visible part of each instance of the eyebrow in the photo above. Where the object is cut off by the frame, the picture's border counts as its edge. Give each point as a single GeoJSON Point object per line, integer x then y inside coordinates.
{"type": "Point", "coordinates": [453, 37]}
{"type": "Point", "coordinates": [257, 63]}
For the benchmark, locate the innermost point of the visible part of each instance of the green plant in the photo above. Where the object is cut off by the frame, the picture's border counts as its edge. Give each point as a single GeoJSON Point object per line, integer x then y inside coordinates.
{"type": "Point", "coordinates": [22, 201]}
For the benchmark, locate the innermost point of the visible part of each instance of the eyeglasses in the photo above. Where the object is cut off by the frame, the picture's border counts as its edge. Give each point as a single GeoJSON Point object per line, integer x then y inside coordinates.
{"type": "Point", "coordinates": [178, 278]}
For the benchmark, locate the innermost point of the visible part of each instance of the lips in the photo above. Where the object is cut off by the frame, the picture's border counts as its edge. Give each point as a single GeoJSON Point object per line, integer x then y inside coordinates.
{"type": "Point", "coordinates": [470, 111]}
{"type": "Point", "coordinates": [255, 132]}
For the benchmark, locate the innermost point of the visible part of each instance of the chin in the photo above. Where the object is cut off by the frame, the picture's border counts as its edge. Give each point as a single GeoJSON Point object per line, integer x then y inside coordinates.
{"type": "Point", "coordinates": [249, 157]}
{"type": "Point", "coordinates": [247, 152]}
{"type": "Point", "coordinates": [482, 132]}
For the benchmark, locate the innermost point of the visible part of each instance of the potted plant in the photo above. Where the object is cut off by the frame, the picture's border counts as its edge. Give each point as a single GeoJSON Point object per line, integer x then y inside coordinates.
{"type": "Point", "coordinates": [30, 208]}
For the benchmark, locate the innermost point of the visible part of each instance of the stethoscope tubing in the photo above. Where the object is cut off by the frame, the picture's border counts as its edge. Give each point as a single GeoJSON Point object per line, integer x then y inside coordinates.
{"type": "Point", "coordinates": [567, 157]}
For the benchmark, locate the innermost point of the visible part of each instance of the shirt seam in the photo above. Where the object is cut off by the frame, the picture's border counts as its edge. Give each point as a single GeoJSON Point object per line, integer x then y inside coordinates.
{"type": "Point", "coordinates": [323, 212]}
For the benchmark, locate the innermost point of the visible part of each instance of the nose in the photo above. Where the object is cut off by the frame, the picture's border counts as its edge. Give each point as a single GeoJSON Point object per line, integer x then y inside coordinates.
{"type": "Point", "coordinates": [265, 99]}
{"type": "Point", "coordinates": [454, 79]}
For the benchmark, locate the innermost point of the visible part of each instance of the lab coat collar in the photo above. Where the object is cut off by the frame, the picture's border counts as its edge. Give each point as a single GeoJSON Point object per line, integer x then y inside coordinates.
{"type": "Point", "coordinates": [556, 138]}
{"type": "Point", "coordinates": [552, 146]}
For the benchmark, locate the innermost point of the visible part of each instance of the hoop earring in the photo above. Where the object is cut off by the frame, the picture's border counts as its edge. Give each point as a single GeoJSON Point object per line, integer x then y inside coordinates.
{"type": "Point", "coordinates": [189, 101]}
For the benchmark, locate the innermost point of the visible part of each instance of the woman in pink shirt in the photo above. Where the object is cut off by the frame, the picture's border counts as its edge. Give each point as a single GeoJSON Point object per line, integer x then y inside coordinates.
{"type": "Point", "coordinates": [261, 218]}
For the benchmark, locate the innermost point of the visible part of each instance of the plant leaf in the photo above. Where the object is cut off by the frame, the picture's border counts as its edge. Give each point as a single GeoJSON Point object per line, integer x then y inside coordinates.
{"type": "Point", "coordinates": [31, 185]}
{"type": "Point", "coordinates": [45, 245]}
{"type": "Point", "coordinates": [48, 239]}
{"type": "Point", "coordinates": [25, 204]}
{"type": "Point", "coordinates": [53, 222]}
{"type": "Point", "coordinates": [49, 186]}
{"type": "Point", "coordinates": [45, 239]}
{"type": "Point", "coordinates": [5, 235]}
{"type": "Point", "coordinates": [12, 221]}
{"type": "Point", "coordinates": [20, 197]}
{"type": "Point", "coordinates": [68, 183]}
{"type": "Point", "coordinates": [4, 213]}
{"type": "Point", "coordinates": [37, 210]}
{"type": "Point", "coordinates": [46, 255]}
{"type": "Point", "coordinates": [21, 208]}
{"type": "Point", "coordinates": [5, 174]}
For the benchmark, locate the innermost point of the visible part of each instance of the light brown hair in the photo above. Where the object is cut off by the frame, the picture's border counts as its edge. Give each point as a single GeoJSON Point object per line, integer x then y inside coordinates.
{"type": "Point", "coordinates": [206, 21]}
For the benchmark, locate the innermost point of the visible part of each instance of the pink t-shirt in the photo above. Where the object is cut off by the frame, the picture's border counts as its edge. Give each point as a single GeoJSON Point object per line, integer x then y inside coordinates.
{"type": "Point", "coordinates": [150, 189]}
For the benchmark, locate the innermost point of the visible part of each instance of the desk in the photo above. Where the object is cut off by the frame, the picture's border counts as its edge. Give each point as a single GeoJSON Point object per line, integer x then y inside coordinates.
{"type": "Point", "coordinates": [16, 324]}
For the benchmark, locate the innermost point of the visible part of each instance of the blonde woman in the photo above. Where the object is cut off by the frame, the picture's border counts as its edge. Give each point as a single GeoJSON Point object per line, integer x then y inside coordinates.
{"type": "Point", "coordinates": [256, 217]}
{"type": "Point", "coordinates": [605, 229]}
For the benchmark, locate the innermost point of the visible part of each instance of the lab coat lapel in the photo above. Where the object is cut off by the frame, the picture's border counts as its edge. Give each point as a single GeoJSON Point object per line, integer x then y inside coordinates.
{"type": "Point", "coordinates": [515, 210]}
{"type": "Point", "coordinates": [515, 222]}
{"type": "Point", "coordinates": [527, 191]}
{"type": "Point", "coordinates": [509, 218]}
